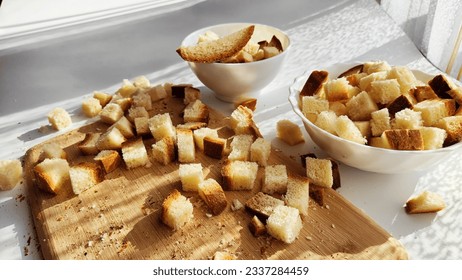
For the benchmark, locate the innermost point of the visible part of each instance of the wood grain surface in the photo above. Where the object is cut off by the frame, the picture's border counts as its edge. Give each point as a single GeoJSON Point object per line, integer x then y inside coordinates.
{"type": "Point", "coordinates": [120, 217]}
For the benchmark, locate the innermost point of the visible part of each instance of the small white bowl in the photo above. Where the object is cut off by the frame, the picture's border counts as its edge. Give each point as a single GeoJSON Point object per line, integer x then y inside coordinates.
{"type": "Point", "coordinates": [365, 157]}
{"type": "Point", "coordinates": [234, 82]}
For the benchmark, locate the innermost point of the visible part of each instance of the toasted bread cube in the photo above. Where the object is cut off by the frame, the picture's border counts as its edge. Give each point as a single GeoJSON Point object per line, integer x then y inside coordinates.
{"type": "Point", "coordinates": [84, 176]}
{"type": "Point", "coordinates": [142, 126]}
{"type": "Point", "coordinates": [178, 91]}
{"type": "Point", "coordinates": [111, 113]}
{"type": "Point", "coordinates": [365, 128]}
{"type": "Point", "coordinates": [434, 110]}
{"type": "Point", "coordinates": [297, 194]}
{"type": "Point", "coordinates": [141, 82]}
{"type": "Point", "coordinates": [214, 147]}
{"type": "Point", "coordinates": [177, 210]}
{"type": "Point", "coordinates": [422, 93]}
{"type": "Point", "coordinates": [260, 151]}
{"type": "Point", "coordinates": [262, 205]}
{"type": "Point", "coordinates": [380, 142]}
{"type": "Point", "coordinates": [441, 85]}
{"type": "Point", "coordinates": [289, 132]}
{"type": "Point", "coordinates": [370, 67]}
{"type": "Point", "coordinates": [125, 127]}
{"type": "Point", "coordinates": [404, 76]}
{"type": "Point", "coordinates": [433, 137]}
{"type": "Point", "coordinates": [124, 102]}
{"type": "Point", "coordinates": [284, 223]}
{"type": "Point", "coordinates": [191, 175]}
{"type": "Point", "coordinates": [365, 82]}
{"type": "Point", "coordinates": [319, 171]}
{"type": "Point", "coordinates": [102, 97]}
{"type": "Point", "coordinates": [380, 121]}
{"type": "Point", "coordinates": [338, 108]}
{"type": "Point", "coordinates": [157, 93]}
{"type": "Point", "coordinates": [346, 129]}
{"type": "Point", "coordinates": [337, 89]}
{"type": "Point", "coordinates": [88, 144]}
{"type": "Point", "coordinates": [270, 51]}
{"type": "Point", "coordinates": [314, 85]}
{"type": "Point", "coordinates": [134, 153]}
{"type": "Point", "coordinates": [191, 94]}
{"type": "Point", "coordinates": [241, 120]}
{"type": "Point", "coordinates": [384, 91]}
{"type": "Point", "coordinates": [110, 140]}
{"type": "Point", "coordinates": [257, 227]}
{"type": "Point", "coordinates": [52, 174]}
{"type": "Point", "coordinates": [404, 139]}
{"type": "Point", "coordinates": [163, 150]}
{"type": "Point", "coordinates": [196, 111]}
{"type": "Point", "coordinates": [360, 107]}
{"type": "Point", "coordinates": [354, 79]}
{"type": "Point", "coordinates": [400, 103]}
{"type": "Point", "coordinates": [425, 202]}
{"type": "Point", "coordinates": [185, 144]}
{"type": "Point", "coordinates": [137, 112]}
{"type": "Point", "coordinates": [312, 106]}
{"type": "Point", "coordinates": [59, 118]}
{"type": "Point", "coordinates": [456, 94]}
{"type": "Point", "coordinates": [91, 107]}
{"type": "Point", "coordinates": [239, 175]}
{"type": "Point", "coordinates": [240, 147]}
{"type": "Point", "coordinates": [201, 133]}
{"type": "Point", "coordinates": [142, 100]}
{"type": "Point", "coordinates": [327, 121]}
{"type": "Point", "coordinates": [109, 159]}
{"type": "Point", "coordinates": [275, 179]}
{"type": "Point", "coordinates": [127, 89]}
{"type": "Point", "coordinates": [52, 150]}
{"type": "Point", "coordinates": [161, 126]}
{"type": "Point", "coordinates": [213, 195]}
{"type": "Point", "coordinates": [408, 119]}
{"type": "Point", "coordinates": [10, 174]}
{"type": "Point", "coordinates": [453, 127]}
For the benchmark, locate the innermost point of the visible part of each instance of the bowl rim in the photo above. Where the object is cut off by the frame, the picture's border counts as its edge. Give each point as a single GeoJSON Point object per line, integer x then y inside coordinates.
{"type": "Point", "coordinates": [207, 28]}
{"type": "Point", "coordinates": [294, 93]}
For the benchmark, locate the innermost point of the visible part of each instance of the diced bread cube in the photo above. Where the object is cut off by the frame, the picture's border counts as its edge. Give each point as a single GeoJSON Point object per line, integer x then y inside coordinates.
{"type": "Point", "coordinates": [441, 85]}
{"type": "Point", "coordinates": [111, 113]}
{"type": "Point", "coordinates": [161, 126]}
{"type": "Point", "coordinates": [260, 151]}
{"type": "Point", "coordinates": [425, 202]}
{"type": "Point", "coordinates": [370, 67]}
{"type": "Point", "coordinates": [312, 106]}
{"type": "Point", "coordinates": [422, 93]}
{"type": "Point", "coordinates": [125, 127]}
{"type": "Point", "coordinates": [214, 147]}
{"type": "Point", "coordinates": [52, 174]}
{"type": "Point", "coordinates": [327, 121]}
{"type": "Point", "coordinates": [137, 112]}
{"type": "Point", "coordinates": [84, 176]}
{"type": "Point", "coordinates": [213, 195]}
{"type": "Point", "coordinates": [453, 127]}
{"type": "Point", "coordinates": [360, 107]}
{"type": "Point", "coordinates": [157, 92]}
{"type": "Point", "coordinates": [262, 205]}
{"type": "Point", "coordinates": [337, 90]}
{"type": "Point", "coordinates": [110, 140]}
{"type": "Point", "coordinates": [456, 94]}
{"type": "Point", "coordinates": [239, 175]}
{"type": "Point", "coordinates": [380, 142]}
{"type": "Point", "coordinates": [91, 107]}
{"type": "Point", "coordinates": [178, 91]}
{"type": "Point", "coordinates": [102, 97]}
{"type": "Point", "coordinates": [433, 137]}
{"type": "Point", "coordinates": [123, 102]}
{"type": "Point", "coordinates": [270, 51]}
{"type": "Point", "coordinates": [191, 94]}
{"type": "Point", "coordinates": [319, 171]}
{"type": "Point", "coordinates": [185, 144]}
{"type": "Point", "coordinates": [127, 89]}
{"type": "Point", "coordinates": [364, 127]}
{"type": "Point", "coordinates": [284, 223]}
{"type": "Point", "coordinates": [196, 111]}
{"type": "Point", "coordinates": [177, 210]}
{"type": "Point", "coordinates": [404, 76]}
{"type": "Point", "coordinates": [59, 118]}
{"type": "Point", "coordinates": [275, 179]}
{"type": "Point", "coordinates": [297, 194]}
{"type": "Point", "coordinates": [88, 144]}
{"type": "Point", "coordinates": [346, 129]}
{"type": "Point", "coordinates": [384, 91]}
{"type": "Point", "coordinates": [52, 150]}
{"type": "Point", "coordinates": [10, 174]}
{"type": "Point", "coordinates": [407, 119]}
{"type": "Point", "coordinates": [191, 175]}
{"type": "Point", "coordinates": [289, 132]}
{"type": "Point", "coordinates": [141, 82]}
{"type": "Point", "coordinates": [134, 153]}
{"type": "Point", "coordinates": [314, 85]}
{"type": "Point", "coordinates": [434, 110]}
{"type": "Point", "coordinates": [142, 100]}
{"type": "Point", "coordinates": [142, 126]}
{"type": "Point", "coordinates": [240, 147]}
{"type": "Point", "coordinates": [399, 104]}
{"type": "Point", "coordinates": [339, 108]}
{"type": "Point", "coordinates": [404, 139]}
{"type": "Point", "coordinates": [380, 121]}
{"type": "Point", "coordinates": [365, 82]}
{"type": "Point", "coordinates": [201, 133]}
{"type": "Point", "coordinates": [109, 159]}
{"type": "Point", "coordinates": [241, 120]}
{"type": "Point", "coordinates": [163, 150]}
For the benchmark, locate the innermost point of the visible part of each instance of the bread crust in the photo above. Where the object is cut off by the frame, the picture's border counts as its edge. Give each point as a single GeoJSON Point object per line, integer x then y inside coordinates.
{"type": "Point", "coordinates": [315, 83]}
{"type": "Point", "coordinates": [214, 147]}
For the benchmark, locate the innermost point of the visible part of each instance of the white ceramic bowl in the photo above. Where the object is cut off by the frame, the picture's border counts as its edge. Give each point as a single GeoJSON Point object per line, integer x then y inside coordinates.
{"type": "Point", "coordinates": [233, 82]}
{"type": "Point", "coordinates": [364, 157]}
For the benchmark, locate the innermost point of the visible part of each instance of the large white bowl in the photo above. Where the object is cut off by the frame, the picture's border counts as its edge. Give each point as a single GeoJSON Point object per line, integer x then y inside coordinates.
{"type": "Point", "coordinates": [364, 157]}
{"type": "Point", "coordinates": [233, 82]}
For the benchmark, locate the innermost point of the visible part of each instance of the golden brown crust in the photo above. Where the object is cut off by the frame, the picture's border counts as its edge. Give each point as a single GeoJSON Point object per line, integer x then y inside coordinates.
{"type": "Point", "coordinates": [257, 227]}
{"type": "Point", "coordinates": [315, 83]}
{"type": "Point", "coordinates": [262, 205]}
{"type": "Point", "coordinates": [88, 144]}
{"type": "Point", "coordinates": [441, 85]}
{"type": "Point", "coordinates": [214, 147]}
{"type": "Point", "coordinates": [422, 93]}
{"type": "Point", "coordinates": [400, 103]}
{"type": "Point", "coordinates": [166, 204]}
{"type": "Point", "coordinates": [214, 196]}
{"type": "Point", "coordinates": [426, 202]}
{"type": "Point", "coordinates": [249, 103]}
{"type": "Point", "coordinates": [317, 194]}
{"type": "Point", "coordinates": [109, 159]}
{"type": "Point", "coordinates": [353, 70]}
{"type": "Point", "coordinates": [405, 139]}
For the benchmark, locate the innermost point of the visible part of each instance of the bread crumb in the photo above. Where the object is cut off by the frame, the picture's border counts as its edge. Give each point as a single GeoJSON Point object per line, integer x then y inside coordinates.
{"type": "Point", "coordinates": [332, 226]}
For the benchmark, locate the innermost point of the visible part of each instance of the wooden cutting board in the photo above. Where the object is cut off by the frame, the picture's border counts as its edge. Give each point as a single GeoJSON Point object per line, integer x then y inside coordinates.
{"type": "Point", "coordinates": [120, 217]}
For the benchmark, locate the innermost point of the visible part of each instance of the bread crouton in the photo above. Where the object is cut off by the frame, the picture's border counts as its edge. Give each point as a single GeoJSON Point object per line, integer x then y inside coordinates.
{"type": "Point", "coordinates": [177, 210]}
{"type": "Point", "coordinates": [289, 132]}
{"type": "Point", "coordinates": [297, 194]}
{"type": "Point", "coordinates": [52, 174]}
{"type": "Point", "coordinates": [314, 85]}
{"type": "Point", "coordinates": [275, 179]}
{"type": "Point", "coordinates": [10, 174]}
{"type": "Point", "coordinates": [404, 139]}
{"type": "Point", "coordinates": [134, 153]}
{"type": "Point", "coordinates": [239, 175]}
{"type": "Point", "coordinates": [284, 223]}
{"type": "Point", "coordinates": [163, 150]}
{"type": "Point", "coordinates": [262, 205]}
{"type": "Point", "coordinates": [109, 159]}
{"type": "Point", "coordinates": [425, 202]}
{"type": "Point", "coordinates": [213, 195]}
{"type": "Point", "coordinates": [59, 118]}
{"type": "Point", "coordinates": [191, 175]}
{"type": "Point", "coordinates": [84, 176]}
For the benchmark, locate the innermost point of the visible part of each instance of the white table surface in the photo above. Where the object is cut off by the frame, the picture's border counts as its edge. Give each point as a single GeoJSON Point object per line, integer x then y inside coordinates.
{"type": "Point", "coordinates": [61, 64]}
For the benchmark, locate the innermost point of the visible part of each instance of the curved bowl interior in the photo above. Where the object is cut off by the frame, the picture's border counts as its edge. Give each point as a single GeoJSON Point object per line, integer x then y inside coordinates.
{"type": "Point", "coordinates": [365, 157]}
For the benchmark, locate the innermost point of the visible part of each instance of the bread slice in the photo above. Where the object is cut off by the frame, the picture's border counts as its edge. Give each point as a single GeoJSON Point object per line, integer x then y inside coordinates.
{"type": "Point", "coordinates": [10, 174]}
{"type": "Point", "coordinates": [52, 150]}
{"type": "Point", "coordinates": [135, 154]}
{"type": "Point", "coordinates": [360, 107]}
{"type": "Point", "coordinates": [163, 151]}
{"type": "Point", "coordinates": [441, 85]}
{"type": "Point", "coordinates": [111, 113]}
{"type": "Point", "coordinates": [88, 144]}
{"type": "Point", "coordinates": [260, 151]}
{"type": "Point", "coordinates": [59, 118]}
{"type": "Point", "coordinates": [201, 133]}
{"type": "Point", "coordinates": [314, 85]}
{"type": "Point", "coordinates": [435, 109]}
{"type": "Point", "coordinates": [262, 205]}
{"type": "Point", "coordinates": [196, 111]}
{"type": "Point", "coordinates": [125, 127]}
{"type": "Point", "coordinates": [91, 107]}
{"type": "Point", "coordinates": [214, 147]}
{"type": "Point", "coordinates": [404, 139]}
{"type": "Point", "coordinates": [110, 160]}
{"type": "Point", "coordinates": [407, 119]}
{"type": "Point", "coordinates": [275, 179]}
{"type": "Point", "coordinates": [239, 175]}
{"type": "Point", "coordinates": [185, 145]}
{"type": "Point", "coordinates": [52, 174]}
{"type": "Point", "coordinates": [289, 132]}
{"type": "Point", "coordinates": [217, 50]}
{"type": "Point", "coordinates": [297, 194]}
{"type": "Point", "coordinates": [380, 121]}
{"type": "Point", "coordinates": [112, 139]}
{"type": "Point", "coordinates": [177, 210]}
{"type": "Point", "coordinates": [385, 91]}
{"type": "Point", "coordinates": [161, 126]}
{"type": "Point", "coordinates": [422, 93]}
{"type": "Point", "coordinates": [102, 97]}
{"type": "Point", "coordinates": [191, 175]}
{"type": "Point", "coordinates": [84, 176]}
{"type": "Point", "coordinates": [319, 171]}
{"type": "Point", "coordinates": [240, 147]}
{"type": "Point", "coordinates": [256, 226]}
{"type": "Point", "coordinates": [346, 129]}
{"type": "Point", "coordinates": [433, 137]}
{"type": "Point", "coordinates": [284, 223]}
{"type": "Point", "coordinates": [425, 202]}
{"type": "Point", "coordinates": [213, 195]}
{"type": "Point", "coordinates": [453, 127]}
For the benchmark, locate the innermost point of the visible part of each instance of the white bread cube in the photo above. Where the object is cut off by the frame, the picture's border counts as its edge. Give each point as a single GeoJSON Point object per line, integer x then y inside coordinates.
{"type": "Point", "coordinates": [239, 175]}
{"type": "Point", "coordinates": [404, 139]}
{"type": "Point", "coordinates": [404, 76]}
{"type": "Point", "coordinates": [161, 126]}
{"type": "Point", "coordinates": [177, 210]}
{"type": "Point", "coordinates": [111, 113]}
{"type": "Point", "coordinates": [433, 110]}
{"type": "Point", "coordinates": [297, 194]}
{"type": "Point", "coordinates": [91, 107]}
{"type": "Point", "coordinates": [137, 112]}
{"type": "Point", "coordinates": [213, 195]}
{"type": "Point", "coordinates": [425, 202]}
{"type": "Point", "coordinates": [141, 82]}
{"type": "Point", "coordinates": [284, 223]}
{"type": "Point", "coordinates": [52, 174]}
{"type": "Point", "coordinates": [270, 51]}
{"type": "Point", "coordinates": [338, 107]}
{"type": "Point", "coordinates": [380, 121]}
{"type": "Point", "coordinates": [453, 127]}
{"type": "Point", "coordinates": [88, 144]}
{"type": "Point", "coordinates": [346, 129]}
{"type": "Point", "coordinates": [84, 176]}
{"type": "Point", "coordinates": [327, 121]}
{"type": "Point", "coordinates": [123, 102]}
{"type": "Point", "coordinates": [142, 100]}
{"type": "Point", "coordinates": [241, 120]}
{"type": "Point", "coordinates": [422, 93]}
{"type": "Point", "coordinates": [365, 82]}
{"type": "Point", "coordinates": [125, 127]}
{"type": "Point", "coordinates": [360, 107]}
{"type": "Point", "coordinates": [338, 89]}
{"type": "Point", "coordinates": [191, 175]}
{"type": "Point", "coordinates": [59, 118]}
{"type": "Point", "coordinates": [142, 126]}
{"type": "Point", "coordinates": [191, 94]}
{"type": "Point", "coordinates": [319, 171]}
{"type": "Point", "coordinates": [10, 174]}
{"type": "Point", "coordinates": [380, 142]}
{"type": "Point", "coordinates": [157, 93]}
{"type": "Point", "coordinates": [240, 147]}
{"type": "Point", "coordinates": [110, 160]}
{"type": "Point", "coordinates": [102, 97]}
{"type": "Point", "coordinates": [168, 89]}
{"type": "Point", "coordinates": [364, 127]}
{"type": "Point", "coordinates": [370, 67]}
{"type": "Point", "coordinates": [52, 150]}
{"type": "Point", "coordinates": [112, 139]}
{"type": "Point", "coordinates": [384, 91]}
{"type": "Point", "coordinates": [313, 105]}
{"type": "Point", "coordinates": [275, 179]}
{"type": "Point", "coordinates": [196, 111]}
{"type": "Point", "coordinates": [407, 119]}
{"type": "Point", "coordinates": [163, 151]}
{"type": "Point", "coordinates": [127, 89]}
{"type": "Point", "coordinates": [433, 137]}
{"type": "Point", "coordinates": [260, 151]}
{"type": "Point", "coordinates": [185, 144]}
{"type": "Point", "coordinates": [201, 133]}
{"type": "Point", "coordinates": [214, 147]}
{"type": "Point", "coordinates": [134, 153]}
{"type": "Point", "coordinates": [289, 132]}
